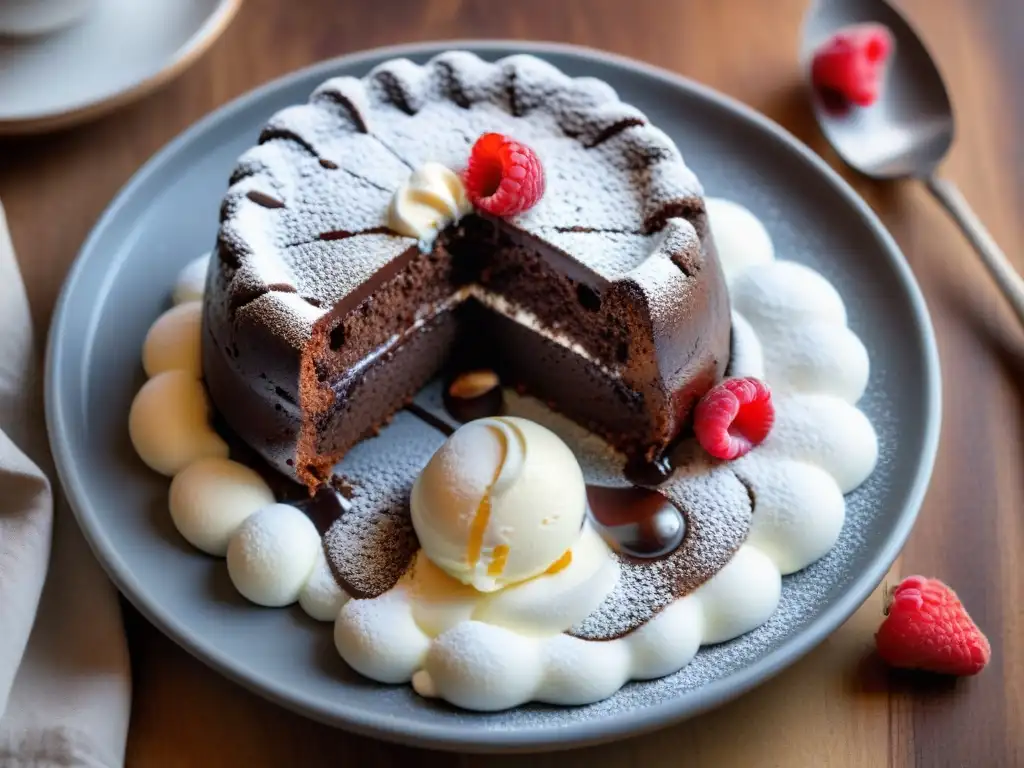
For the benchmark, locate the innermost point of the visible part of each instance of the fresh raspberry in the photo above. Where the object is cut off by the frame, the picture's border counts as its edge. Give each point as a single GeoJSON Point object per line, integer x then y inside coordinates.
{"type": "Point", "coordinates": [503, 176]}
{"type": "Point", "coordinates": [927, 628]}
{"type": "Point", "coordinates": [733, 417]}
{"type": "Point", "coordinates": [851, 63]}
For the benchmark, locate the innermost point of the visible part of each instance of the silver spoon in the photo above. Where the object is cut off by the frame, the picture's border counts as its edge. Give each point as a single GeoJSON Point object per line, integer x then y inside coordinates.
{"type": "Point", "coordinates": [638, 522]}
{"type": "Point", "coordinates": [908, 131]}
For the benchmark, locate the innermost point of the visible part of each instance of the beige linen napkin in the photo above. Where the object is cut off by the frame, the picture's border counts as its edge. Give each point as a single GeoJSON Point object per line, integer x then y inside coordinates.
{"type": "Point", "coordinates": [64, 676]}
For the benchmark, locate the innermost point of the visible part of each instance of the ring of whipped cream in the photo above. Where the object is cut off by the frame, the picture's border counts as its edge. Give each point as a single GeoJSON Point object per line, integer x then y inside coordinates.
{"type": "Point", "coordinates": [495, 650]}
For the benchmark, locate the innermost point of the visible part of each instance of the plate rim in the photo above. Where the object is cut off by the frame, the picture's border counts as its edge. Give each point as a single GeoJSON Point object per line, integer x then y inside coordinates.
{"type": "Point", "coordinates": [454, 737]}
{"type": "Point", "coordinates": [197, 44]}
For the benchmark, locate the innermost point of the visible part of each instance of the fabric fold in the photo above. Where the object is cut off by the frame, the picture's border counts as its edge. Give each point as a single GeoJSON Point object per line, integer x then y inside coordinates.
{"type": "Point", "coordinates": [65, 687]}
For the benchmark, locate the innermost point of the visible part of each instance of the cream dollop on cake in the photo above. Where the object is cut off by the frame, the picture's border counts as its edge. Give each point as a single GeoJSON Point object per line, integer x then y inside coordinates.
{"type": "Point", "coordinates": [433, 198]}
{"type": "Point", "coordinates": [500, 502]}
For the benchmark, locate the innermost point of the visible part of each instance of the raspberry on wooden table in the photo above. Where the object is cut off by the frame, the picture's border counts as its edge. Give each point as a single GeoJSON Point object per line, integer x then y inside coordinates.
{"type": "Point", "coordinates": [503, 177]}
{"type": "Point", "coordinates": [927, 628]}
{"type": "Point", "coordinates": [733, 417]}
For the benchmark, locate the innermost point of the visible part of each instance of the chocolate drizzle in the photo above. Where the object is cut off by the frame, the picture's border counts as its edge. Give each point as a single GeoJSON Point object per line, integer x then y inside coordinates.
{"type": "Point", "coordinates": [430, 419]}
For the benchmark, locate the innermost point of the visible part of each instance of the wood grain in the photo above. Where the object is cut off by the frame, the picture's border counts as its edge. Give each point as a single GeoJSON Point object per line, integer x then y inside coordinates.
{"type": "Point", "coordinates": [837, 707]}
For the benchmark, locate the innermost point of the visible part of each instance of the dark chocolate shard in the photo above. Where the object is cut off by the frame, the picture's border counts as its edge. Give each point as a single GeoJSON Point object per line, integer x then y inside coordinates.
{"type": "Point", "coordinates": [264, 200]}
{"type": "Point", "coordinates": [613, 130]}
{"type": "Point", "coordinates": [341, 234]}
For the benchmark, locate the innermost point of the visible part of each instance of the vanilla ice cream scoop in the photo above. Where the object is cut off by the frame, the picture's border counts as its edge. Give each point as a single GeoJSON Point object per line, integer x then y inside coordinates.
{"type": "Point", "coordinates": [503, 500]}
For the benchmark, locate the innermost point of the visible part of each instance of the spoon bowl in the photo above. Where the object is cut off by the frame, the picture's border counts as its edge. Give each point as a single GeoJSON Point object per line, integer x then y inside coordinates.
{"type": "Point", "coordinates": [638, 522]}
{"type": "Point", "coordinates": [908, 131]}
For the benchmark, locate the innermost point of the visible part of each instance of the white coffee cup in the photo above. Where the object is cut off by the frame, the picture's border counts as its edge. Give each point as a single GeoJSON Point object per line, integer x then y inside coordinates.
{"type": "Point", "coordinates": [38, 17]}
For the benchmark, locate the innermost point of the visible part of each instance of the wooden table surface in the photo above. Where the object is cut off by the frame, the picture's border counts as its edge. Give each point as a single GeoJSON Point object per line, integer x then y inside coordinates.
{"type": "Point", "coordinates": [837, 707]}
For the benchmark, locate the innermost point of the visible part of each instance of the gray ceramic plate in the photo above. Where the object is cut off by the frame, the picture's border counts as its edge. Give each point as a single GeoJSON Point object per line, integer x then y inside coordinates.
{"type": "Point", "coordinates": [168, 214]}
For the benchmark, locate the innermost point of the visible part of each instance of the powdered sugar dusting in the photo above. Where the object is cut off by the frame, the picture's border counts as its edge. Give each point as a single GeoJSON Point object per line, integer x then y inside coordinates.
{"type": "Point", "coordinates": [372, 544]}
{"type": "Point", "coordinates": [717, 511]}
{"type": "Point", "coordinates": [715, 505]}
{"type": "Point", "coordinates": [635, 149]}
{"type": "Point", "coordinates": [611, 253]}
{"type": "Point", "coordinates": [350, 151]}
{"type": "Point", "coordinates": [288, 315]}
{"type": "Point", "coordinates": [307, 213]}
{"type": "Point", "coordinates": [805, 595]}
{"type": "Point", "coordinates": [329, 270]}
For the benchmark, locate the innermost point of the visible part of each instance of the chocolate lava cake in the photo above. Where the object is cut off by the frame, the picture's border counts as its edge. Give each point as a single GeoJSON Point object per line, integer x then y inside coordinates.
{"type": "Point", "coordinates": [605, 300]}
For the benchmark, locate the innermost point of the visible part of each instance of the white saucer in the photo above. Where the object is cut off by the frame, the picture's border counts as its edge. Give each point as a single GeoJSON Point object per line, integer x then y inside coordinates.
{"type": "Point", "coordinates": [122, 50]}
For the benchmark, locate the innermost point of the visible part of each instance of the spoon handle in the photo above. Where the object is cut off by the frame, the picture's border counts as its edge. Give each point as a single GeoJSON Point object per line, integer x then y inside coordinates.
{"type": "Point", "coordinates": [995, 260]}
